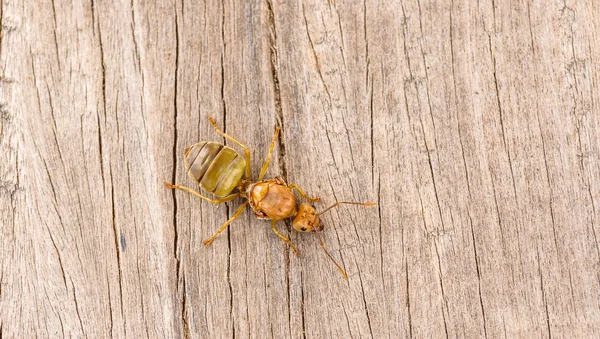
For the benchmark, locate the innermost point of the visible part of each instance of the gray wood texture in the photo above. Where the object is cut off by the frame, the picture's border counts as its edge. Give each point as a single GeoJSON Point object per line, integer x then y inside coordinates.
{"type": "Point", "coordinates": [474, 125]}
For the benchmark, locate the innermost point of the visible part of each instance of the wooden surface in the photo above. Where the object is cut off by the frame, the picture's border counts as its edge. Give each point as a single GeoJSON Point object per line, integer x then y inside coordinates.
{"type": "Point", "coordinates": [474, 125]}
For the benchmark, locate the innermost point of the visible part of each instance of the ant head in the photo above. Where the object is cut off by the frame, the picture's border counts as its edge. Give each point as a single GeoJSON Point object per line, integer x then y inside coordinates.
{"type": "Point", "coordinates": [307, 219]}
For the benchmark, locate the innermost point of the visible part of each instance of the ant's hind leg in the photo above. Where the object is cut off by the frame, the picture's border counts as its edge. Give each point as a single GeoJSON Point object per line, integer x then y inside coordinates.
{"type": "Point", "coordinates": [283, 237]}
{"type": "Point", "coordinates": [268, 160]}
{"type": "Point", "coordinates": [293, 186]}
{"type": "Point", "coordinates": [229, 137]}
{"type": "Point", "coordinates": [212, 201]}
{"type": "Point", "coordinates": [237, 214]}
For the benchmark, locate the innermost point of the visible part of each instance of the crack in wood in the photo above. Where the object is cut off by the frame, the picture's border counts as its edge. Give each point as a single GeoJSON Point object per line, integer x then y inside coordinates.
{"type": "Point", "coordinates": [116, 245]}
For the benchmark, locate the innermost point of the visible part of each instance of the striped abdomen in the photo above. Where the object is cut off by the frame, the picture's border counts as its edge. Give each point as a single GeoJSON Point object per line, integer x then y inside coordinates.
{"type": "Point", "coordinates": [215, 167]}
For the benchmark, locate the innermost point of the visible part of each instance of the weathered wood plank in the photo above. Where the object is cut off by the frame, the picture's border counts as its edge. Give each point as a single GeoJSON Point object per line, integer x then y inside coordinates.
{"type": "Point", "coordinates": [475, 126]}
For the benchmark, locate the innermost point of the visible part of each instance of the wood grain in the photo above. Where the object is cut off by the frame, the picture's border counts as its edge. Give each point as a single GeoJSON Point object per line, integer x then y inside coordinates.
{"type": "Point", "coordinates": [475, 127]}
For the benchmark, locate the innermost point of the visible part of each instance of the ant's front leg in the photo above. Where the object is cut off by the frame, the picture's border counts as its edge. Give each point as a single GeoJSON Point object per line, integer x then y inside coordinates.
{"type": "Point", "coordinates": [294, 186]}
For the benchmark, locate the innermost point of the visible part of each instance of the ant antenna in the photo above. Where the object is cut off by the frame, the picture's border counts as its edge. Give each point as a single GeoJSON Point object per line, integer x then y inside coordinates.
{"type": "Point", "coordinates": [330, 257]}
{"type": "Point", "coordinates": [321, 240]}
{"type": "Point", "coordinates": [348, 202]}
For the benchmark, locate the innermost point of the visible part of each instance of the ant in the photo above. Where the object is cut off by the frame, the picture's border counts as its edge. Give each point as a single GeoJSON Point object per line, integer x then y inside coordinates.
{"type": "Point", "coordinates": [218, 169]}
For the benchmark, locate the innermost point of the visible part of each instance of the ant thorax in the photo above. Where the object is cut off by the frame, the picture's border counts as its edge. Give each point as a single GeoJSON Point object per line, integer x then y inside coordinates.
{"type": "Point", "coordinates": [271, 199]}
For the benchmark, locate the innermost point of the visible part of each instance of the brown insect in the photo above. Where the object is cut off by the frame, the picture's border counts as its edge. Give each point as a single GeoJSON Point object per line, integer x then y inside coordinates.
{"type": "Point", "coordinates": [218, 169]}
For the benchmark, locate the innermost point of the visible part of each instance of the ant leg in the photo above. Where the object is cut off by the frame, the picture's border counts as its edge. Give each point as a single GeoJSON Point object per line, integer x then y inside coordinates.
{"type": "Point", "coordinates": [273, 222]}
{"type": "Point", "coordinates": [237, 214]}
{"type": "Point", "coordinates": [229, 137]}
{"type": "Point", "coordinates": [268, 160]}
{"type": "Point", "coordinates": [293, 186]}
{"type": "Point", "coordinates": [347, 202]}
{"type": "Point", "coordinates": [212, 201]}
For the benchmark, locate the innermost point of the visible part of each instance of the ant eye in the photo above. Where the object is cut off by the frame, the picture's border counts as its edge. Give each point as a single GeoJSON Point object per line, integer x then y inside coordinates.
{"type": "Point", "coordinates": [303, 229]}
